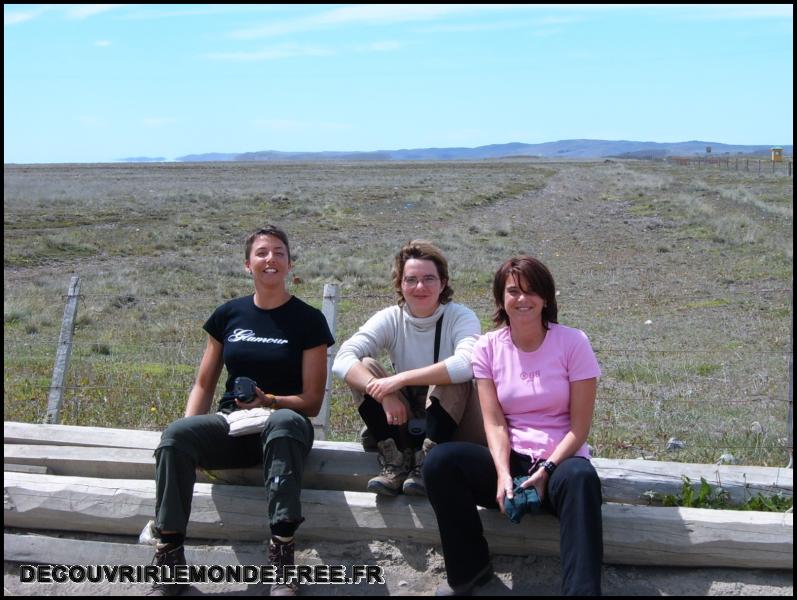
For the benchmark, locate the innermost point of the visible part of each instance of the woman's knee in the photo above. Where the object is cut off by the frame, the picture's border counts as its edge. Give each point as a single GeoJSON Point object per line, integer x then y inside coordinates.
{"type": "Point", "coordinates": [284, 418]}
{"type": "Point", "coordinates": [442, 460]}
{"type": "Point", "coordinates": [285, 422]}
{"type": "Point", "coordinates": [179, 433]}
{"type": "Point", "coordinates": [578, 473]}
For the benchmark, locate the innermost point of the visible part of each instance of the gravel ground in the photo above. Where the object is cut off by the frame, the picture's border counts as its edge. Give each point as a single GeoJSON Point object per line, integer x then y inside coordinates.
{"type": "Point", "coordinates": [415, 570]}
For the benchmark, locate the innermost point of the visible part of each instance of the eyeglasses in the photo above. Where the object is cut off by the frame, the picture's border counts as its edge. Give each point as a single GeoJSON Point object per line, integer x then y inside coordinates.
{"type": "Point", "coordinates": [427, 280]}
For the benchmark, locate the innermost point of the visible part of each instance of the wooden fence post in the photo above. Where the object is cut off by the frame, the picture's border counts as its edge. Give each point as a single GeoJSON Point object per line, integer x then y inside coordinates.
{"type": "Point", "coordinates": [329, 307]}
{"type": "Point", "coordinates": [791, 387]}
{"type": "Point", "coordinates": [55, 397]}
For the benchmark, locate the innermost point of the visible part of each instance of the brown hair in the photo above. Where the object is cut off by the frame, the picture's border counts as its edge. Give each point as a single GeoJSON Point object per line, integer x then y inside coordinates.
{"type": "Point", "coordinates": [267, 230]}
{"type": "Point", "coordinates": [539, 280]}
{"type": "Point", "coordinates": [422, 250]}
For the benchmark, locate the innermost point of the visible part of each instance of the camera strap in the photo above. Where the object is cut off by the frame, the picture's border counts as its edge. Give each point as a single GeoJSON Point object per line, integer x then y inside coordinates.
{"type": "Point", "coordinates": [438, 328]}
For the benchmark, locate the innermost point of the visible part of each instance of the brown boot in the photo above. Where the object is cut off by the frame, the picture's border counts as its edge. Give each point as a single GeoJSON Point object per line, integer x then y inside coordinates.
{"type": "Point", "coordinates": [169, 555]}
{"type": "Point", "coordinates": [281, 554]}
{"type": "Point", "coordinates": [414, 485]}
{"type": "Point", "coordinates": [395, 467]}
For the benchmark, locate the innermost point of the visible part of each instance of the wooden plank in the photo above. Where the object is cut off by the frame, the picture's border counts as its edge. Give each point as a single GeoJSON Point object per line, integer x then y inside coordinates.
{"type": "Point", "coordinates": [630, 480]}
{"type": "Point", "coordinates": [624, 479]}
{"type": "Point", "coordinates": [632, 534]}
{"type": "Point", "coordinates": [331, 465]}
{"type": "Point", "coordinates": [344, 466]}
{"type": "Point", "coordinates": [72, 435]}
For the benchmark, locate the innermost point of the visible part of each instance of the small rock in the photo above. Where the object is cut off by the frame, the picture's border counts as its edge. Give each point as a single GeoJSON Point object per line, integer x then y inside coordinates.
{"type": "Point", "coordinates": [648, 322]}
{"type": "Point", "coordinates": [727, 459]}
{"type": "Point", "coordinates": [755, 427]}
{"type": "Point", "coordinates": [403, 583]}
{"type": "Point", "coordinates": [673, 444]}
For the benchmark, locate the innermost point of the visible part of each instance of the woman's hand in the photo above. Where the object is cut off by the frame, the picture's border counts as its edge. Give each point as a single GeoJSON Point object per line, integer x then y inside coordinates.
{"type": "Point", "coordinates": [380, 388]}
{"type": "Point", "coordinates": [504, 490]}
{"type": "Point", "coordinates": [395, 410]}
{"type": "Point", "coordinates": [539, 480]}
{"type": "Point", "coordinates": [261, 400]}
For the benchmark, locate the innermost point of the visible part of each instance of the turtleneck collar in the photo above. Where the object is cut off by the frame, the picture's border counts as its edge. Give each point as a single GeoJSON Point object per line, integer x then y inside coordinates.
{"type": "Point", "coordinates": [423, 323]}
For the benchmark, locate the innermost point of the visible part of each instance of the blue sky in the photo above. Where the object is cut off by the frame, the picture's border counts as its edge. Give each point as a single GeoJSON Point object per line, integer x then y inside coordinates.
{"type": "Point", "coordinates": [95, 83]}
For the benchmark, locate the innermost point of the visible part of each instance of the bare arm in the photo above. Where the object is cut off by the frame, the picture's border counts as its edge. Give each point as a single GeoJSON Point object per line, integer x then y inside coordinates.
{"type": "Point", "coordinates": [436, 374]}
{"type": "Point", "coordinates": [582, 407]}
{"type": "Point", "coordinates": [201, 396]}
{"type": "Point", "coordinates": [497, 432]}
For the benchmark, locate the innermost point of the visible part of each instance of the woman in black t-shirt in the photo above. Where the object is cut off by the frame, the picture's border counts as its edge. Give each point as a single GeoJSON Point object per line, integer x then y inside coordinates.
{"type": "Point", "coordinates": [281, 343]}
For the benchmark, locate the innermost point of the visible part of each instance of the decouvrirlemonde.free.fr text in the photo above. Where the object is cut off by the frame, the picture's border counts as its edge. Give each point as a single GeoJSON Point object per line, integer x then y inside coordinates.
{"type": "Point", "coordinates": [199, 574]}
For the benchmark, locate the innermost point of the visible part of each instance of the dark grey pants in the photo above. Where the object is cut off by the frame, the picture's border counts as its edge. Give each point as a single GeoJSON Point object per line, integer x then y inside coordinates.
{"type": "Point", "coordinates": [459, 476]}
{"type": "Point", "coordinates": [204, 441]}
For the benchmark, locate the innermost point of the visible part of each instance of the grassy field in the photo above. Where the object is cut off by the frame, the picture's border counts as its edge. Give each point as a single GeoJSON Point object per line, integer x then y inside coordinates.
{"type": "Point", "coordinates": [681, 277]}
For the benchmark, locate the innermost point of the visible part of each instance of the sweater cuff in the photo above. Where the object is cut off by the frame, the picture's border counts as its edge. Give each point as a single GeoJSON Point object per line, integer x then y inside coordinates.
{"type": "Point", "coordinates": [459, 370]}
{"type": "Point", "coordinates": [342, 365]}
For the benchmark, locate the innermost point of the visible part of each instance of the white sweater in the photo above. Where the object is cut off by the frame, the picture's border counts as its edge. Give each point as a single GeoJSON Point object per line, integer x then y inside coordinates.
{"type": "Point", "coordinates": [410, 340]}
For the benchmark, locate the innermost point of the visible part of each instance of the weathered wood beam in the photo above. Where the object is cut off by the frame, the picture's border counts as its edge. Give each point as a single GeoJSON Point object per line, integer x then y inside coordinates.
{"type": "Point", "coordinates": [632, 534]}
{"type": "Point", "coordinates": [344, 466]}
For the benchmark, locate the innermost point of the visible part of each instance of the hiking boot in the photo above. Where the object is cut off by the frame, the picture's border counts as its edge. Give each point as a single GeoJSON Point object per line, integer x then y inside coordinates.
{"type": "Point", "coordinates": [414, 485]}
{"type": "Point", "coordinates": [367, 439]}
{"type": "Point", "coordinates": [395, 467]}
{"type": "Point", "coordinates": [281, 554]}
{"type": "Point", "coordinates": [169, 555]}
{"type": "Point", "coordinates": [466, 589]}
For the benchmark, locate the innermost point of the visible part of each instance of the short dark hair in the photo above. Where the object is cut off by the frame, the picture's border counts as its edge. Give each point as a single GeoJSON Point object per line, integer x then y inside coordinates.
{"type": "Point", "coordinates": [539, 280]}
{"type": "Point", "coordinates": [422, 250]}
{"type": "Point", "coordinates": [267, 230]}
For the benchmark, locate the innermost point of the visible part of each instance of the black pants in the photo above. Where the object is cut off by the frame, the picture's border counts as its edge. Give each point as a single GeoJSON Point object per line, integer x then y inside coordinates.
{"type": "Point", "coordinates": [204, 441]}
{"type": "Point", "coordinates": [459, 476]}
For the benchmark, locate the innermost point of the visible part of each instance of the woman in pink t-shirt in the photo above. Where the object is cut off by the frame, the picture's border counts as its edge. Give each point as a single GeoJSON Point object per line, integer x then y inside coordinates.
{"type": "Point", "coordinates": [536, 381]}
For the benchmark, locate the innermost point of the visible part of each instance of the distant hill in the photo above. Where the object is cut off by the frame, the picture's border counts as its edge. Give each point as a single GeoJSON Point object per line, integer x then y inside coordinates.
{"type": "Point", "coordinates": [560, 149]}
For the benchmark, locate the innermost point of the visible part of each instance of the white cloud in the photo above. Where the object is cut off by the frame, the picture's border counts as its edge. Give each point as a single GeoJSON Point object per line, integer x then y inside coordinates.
{"type": "Point", "coordinates": [72, 12]}
{"type": "Point", "coordinates": [21, 16]}
{"type": "Point", "coordinates": [102, 43]}
{"type": "Point", "coordinates": [386, 46]}
{"type": "Point", "coordinates": [275, 53]}
{"type": "Point", "coordinates": [374, 14]}
{"type": "Point", "coordinates": [84, 11]}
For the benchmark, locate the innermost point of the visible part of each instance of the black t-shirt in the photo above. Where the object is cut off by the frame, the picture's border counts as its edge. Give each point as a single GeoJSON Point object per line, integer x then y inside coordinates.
{"type": "Point", "coordinates": [266, 345]}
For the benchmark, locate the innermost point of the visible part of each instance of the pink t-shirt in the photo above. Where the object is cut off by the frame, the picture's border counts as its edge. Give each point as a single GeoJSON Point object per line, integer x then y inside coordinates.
{"type": "Point", "coordinates": [534, 387]}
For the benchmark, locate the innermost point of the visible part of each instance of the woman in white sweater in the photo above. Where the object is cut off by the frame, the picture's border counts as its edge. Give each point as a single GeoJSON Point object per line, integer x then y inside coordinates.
{"type": "Point", "coordinates": [430, 399]}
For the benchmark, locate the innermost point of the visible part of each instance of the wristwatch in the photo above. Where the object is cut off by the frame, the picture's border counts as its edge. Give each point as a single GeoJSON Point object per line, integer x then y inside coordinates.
{"type": "Point", "coordinates": [549, 466]}
{"type": "Point", "coordinates": [273, 401]}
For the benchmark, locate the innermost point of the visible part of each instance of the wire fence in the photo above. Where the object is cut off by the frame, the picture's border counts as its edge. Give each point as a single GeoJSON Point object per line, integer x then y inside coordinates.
{"type": "Point", "coordinates": [700, 404]}
{"type": "Point", "coordinates": [735, 163]}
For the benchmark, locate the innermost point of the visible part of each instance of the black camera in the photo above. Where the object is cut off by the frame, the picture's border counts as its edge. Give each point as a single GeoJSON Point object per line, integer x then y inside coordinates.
{"type": "Point", "coordinates": [243, 389]}
{"type": "Point", "coordinates": [525, 502]}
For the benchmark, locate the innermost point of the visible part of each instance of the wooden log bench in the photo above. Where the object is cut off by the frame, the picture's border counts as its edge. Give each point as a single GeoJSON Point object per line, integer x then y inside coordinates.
{"type": "Point", "coordinates": [127, 454]}
{"type": "Point", "coordinates": [100, 480]}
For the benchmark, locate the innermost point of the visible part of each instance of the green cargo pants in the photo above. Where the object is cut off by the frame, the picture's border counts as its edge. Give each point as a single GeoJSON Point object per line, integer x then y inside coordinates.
{"type": "Point", "coordinates": [204, 441]}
